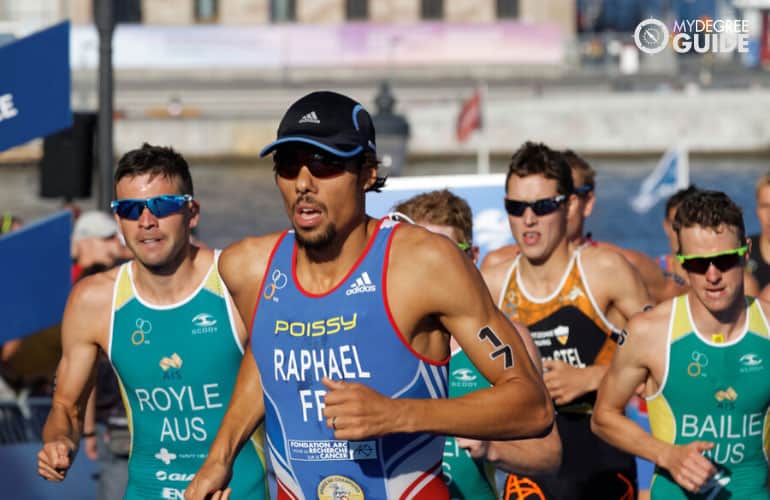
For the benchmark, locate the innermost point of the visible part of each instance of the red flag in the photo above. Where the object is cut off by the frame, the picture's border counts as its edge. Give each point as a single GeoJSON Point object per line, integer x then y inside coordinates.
{"type": "Point", "coordinates": [469, 118]}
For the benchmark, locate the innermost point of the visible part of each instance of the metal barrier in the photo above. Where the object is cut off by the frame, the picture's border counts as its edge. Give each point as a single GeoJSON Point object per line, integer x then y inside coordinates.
{"type": "Point", "coordinates": [14, 428]}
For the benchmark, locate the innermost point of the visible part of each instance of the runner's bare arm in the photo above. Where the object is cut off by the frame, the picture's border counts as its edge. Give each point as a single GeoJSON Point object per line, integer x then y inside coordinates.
{"type": "Point", "coordinates": [518, 405]}
{"type": "Point", "coordinates": [609, 274]}
{"type": "Point", "coordinates": [526, 456]}
{"type": "Point", "coordinates": [242, 267]}
{"type": "Point", "coordinates": [630, 368]}
{"type": "Point", "coordinates": [245, 411]}
{"type": "Point", "coordinates": [86, 320]}
{"type": "Point", "coordinates": [238, 323]}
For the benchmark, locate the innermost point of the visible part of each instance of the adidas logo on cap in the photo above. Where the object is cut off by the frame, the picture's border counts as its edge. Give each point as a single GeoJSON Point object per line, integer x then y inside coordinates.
{"type": "Point", "coordinates": [363, 284]}
{"type": "Point", "coordinates": [310, 118]}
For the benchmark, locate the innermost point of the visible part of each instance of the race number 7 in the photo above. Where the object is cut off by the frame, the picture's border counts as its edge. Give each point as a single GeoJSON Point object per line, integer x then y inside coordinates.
{"type": "Point", "coordinates": [486, 334]}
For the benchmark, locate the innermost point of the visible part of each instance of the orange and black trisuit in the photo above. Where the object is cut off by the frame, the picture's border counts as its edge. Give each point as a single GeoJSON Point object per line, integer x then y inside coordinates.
{"type": "Point", "coordinates": [568, 326]}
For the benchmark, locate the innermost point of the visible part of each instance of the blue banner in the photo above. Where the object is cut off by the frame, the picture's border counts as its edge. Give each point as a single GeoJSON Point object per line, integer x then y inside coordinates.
{"type": "Point", "coordinates": [36, 275]}
{"type": "Point", "coordinates": [35, 86]}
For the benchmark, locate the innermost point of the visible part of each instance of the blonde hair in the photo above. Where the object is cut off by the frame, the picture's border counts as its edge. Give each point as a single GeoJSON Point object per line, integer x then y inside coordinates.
{"type": "Point", "coordinates": [442, 208]}
{"type": "Point", "coordinates": [762, 182]}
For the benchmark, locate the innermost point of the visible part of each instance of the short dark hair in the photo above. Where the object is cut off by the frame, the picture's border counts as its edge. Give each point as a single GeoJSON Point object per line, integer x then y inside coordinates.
{"type": "Point", "coordinates": [677, 198]}
{"type": "Point", "coordinates": [709, 209]}
{"type": "Point", "coordinates": [537, 158]}
{"type": "Point", "coordinates": [156, 160]}
{"type": "Point", "coordinates": [442, 208]}
{"type": "Point", "coordinates": [577, 162]}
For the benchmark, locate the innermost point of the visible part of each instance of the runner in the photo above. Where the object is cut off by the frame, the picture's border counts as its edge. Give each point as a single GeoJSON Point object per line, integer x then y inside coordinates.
{"type": "Point", "coordinates": [351, 332]}
{"type": "Point", "coordinates": [659, 284]}
{"type": "Point", "coordinates": [671, 265]}
{"type": "Point", "coordinates": [707, 390]}
{"type": "Point", "coordinates": [564, 292]}
{"type": "Point", "coordinates": [165, 321]}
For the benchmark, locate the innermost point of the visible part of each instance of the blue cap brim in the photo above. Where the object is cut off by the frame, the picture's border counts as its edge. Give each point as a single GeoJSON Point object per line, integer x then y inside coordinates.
{"type": "Point", "coordinates": [337, 152]}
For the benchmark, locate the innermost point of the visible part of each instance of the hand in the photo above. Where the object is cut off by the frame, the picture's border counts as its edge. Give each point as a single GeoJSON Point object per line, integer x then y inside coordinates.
{"type": "Point", "coordinates": [357, 412]}
{"type": "Point", "coordinates": [91, 448]}
{"type": "Point", "coordinates": [55, 459]}
{"type": "Point", "coordinates": [477, 449]}
{"type": "Point", "coordinates": [210, 482]}
{"type": "Point", "coordinates": [687, 465]}
{"type": "Point", "coordinates": [566, 383]}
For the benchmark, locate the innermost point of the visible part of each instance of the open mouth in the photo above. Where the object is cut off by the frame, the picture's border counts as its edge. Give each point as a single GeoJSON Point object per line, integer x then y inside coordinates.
{"type": "Point", "coordinates": [306, 215]}
{"type": "Point", "coordinates": [530, 238]}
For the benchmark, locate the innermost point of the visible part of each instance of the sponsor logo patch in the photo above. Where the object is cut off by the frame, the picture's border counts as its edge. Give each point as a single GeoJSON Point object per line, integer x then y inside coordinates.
{"type": "Point", "coordinates": [363, 284]}
{"type": "Point", "coordinates": [165, 456]}
{"type": "Point", "coordinates": [339, 488]}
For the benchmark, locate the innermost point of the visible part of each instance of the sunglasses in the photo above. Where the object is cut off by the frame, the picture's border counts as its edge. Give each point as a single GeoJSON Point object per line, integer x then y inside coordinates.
{"type": "Point", "coordinates": [544, 206]}
{"type": "Point", "coordinates": [287, 164]}
{"type": "Point", "coordinates": [582, 191]}
{"type": "Point", "coordinates": [723, 261]}
{"type": "Point", "coordinates": [159, 206]}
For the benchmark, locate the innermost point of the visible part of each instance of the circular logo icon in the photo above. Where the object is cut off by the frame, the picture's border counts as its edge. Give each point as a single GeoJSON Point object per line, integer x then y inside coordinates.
{"type": "Point", "coordinates": [339, 488]}
{"type": "Point", "coordinates": [279, 281]}
{"type": "Point", "coordinates": [651, 36]}
{"type": "Point", "coordinates": [143, 328]}
{"type": "Point", "coordinates": [699, 362]}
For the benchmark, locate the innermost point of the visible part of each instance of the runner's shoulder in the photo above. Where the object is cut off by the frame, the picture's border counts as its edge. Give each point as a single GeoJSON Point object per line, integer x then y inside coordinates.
{"type": "Point", "coordinates": [89, 307]}
{"type": "Point", "coordinates": [500, 256]}
{"type": "Point", "coordinates": [417, 252]}
{"type": "Point", "coordinates": [603, 259]}
{"type": "Point", "coordinates": [249, 255]}
{"type": "Point", "coordinates": [95, 290]}
{"type": "Point", "coordinates": [652, 321]}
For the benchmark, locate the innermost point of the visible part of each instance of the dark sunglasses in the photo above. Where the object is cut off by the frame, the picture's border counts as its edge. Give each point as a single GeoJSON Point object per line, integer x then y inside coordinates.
{"type": "Point", "coordinates": [159, 206]}
{"type": "Point", "coordinates": [288, 164]}
{"type": "Point", "coordinates": [723, 261]}
{"type": "Point", "coordinates": [544, 206]}
{"type": "Point", "coordinates": [582, 191]}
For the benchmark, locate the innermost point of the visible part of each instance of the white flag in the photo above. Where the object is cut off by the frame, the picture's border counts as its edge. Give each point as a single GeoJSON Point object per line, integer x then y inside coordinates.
{"type": "Point", "coordinates": [670, 175]}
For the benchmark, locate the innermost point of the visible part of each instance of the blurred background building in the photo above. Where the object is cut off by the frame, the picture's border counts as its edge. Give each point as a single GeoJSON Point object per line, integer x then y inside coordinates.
{"type": "Point", "coordinates": [212, 76]}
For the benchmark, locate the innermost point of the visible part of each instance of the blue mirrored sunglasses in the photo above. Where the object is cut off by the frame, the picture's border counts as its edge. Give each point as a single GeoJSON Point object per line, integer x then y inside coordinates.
{"type": "Point", "coordinates": [159, 206]}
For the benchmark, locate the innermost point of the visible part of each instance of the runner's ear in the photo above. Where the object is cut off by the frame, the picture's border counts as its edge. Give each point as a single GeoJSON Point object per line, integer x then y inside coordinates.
{"type": "Point", "coordinates": [195, 212]}
{"type": "Point", "coordinates": [369, 174]}
{"type": "Point", "coordinates": [572, 205]}
{"type": "Point", "coordinates": [588, 208]}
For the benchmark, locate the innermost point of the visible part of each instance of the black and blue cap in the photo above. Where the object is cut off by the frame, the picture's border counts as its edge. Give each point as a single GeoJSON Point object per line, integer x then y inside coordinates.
{"type": "Point", "coordinates": [329, 121]}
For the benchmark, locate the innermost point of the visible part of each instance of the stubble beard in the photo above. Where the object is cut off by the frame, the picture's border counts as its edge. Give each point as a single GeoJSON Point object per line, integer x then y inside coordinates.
{"type": "Point", "coordinates": [317, 242]}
